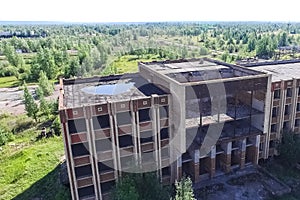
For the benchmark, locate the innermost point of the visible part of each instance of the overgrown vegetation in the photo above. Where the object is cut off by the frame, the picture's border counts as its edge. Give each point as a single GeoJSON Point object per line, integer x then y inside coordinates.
{"type": "Point", "coordinates": [140, 187]}
{"type": "Point", "coordinates": [289, 149]}
{"type": "Point", "coordinates": [29, 168]}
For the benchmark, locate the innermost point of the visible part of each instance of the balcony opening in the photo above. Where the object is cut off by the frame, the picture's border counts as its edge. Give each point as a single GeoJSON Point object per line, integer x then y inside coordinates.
{"type": "Point", "coordinates": [163, 112]}
{"type": "Point", "coordinates": [103, 145]}
{"type": "Point", "coordinates": [289, 92]}
{"type": "Point", "coordinates": [125, 141]}
{"type": "Point", "coordinates": [101, 122]}
{"type": "Point", "coordinates": [144, 115]}
{"type": "Point", "coordinates": [297, 123]}
{"type": "Point", "coordinates": [77, 126]}
{"type": "Point", "coordinates": [146, 136]}
{"type": "Point", "coordinates": [287, 109]}
{"type": "Point", "coordinates": [273, 128]}
{"type": "Point", "coordinates": [83, 171]}
{"type": "Point", "coordinates": [107, 186]}
{"type": "Point", "coordinates": [86, 192]}
{"type": "Point", "coordinates": [80, 149]}
{"type": "Point", "coordinates": [276, 94]}
{"type": "Point", "coordinates": [123, 118]}
{"type": "Point", "coordinates": [274, 111]}
{"type": "Point", "coordinates": [164, 133]}
{"type": "Point", "coordinates": [106, 166]}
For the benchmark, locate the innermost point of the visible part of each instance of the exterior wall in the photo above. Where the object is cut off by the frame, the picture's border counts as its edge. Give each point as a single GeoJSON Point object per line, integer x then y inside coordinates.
{"type": "Point", "coordinates": [108, 135]}
{"type": "Point", "coordinates": [281, 119]}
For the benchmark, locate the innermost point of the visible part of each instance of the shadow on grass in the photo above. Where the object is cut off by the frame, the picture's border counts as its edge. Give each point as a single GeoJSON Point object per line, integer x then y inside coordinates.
{"type": "Point", "coordinates": [47, 188]}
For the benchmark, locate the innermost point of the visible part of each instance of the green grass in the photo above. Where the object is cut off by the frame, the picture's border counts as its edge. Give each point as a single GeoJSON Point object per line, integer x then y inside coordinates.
{"type": "Point", "coordinates": [29, 168]}
{"type": "Point", "coordinates": [8, 81]}
{"type": "Point", "coordinates": [128, 64]}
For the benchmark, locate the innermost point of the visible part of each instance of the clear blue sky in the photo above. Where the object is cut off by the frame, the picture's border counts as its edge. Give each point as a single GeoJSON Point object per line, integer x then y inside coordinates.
{"type": "Point", "coordinates": [149, 10]}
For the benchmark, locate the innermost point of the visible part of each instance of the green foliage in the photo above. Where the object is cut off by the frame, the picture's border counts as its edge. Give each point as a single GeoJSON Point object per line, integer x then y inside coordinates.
{"type": "Point", "coordinates": [30, 106]}
{"type": "Point", "coordinates": [289, 149]}
{"type": "Point", "coordinates": [46, 88]}
{"type": "Point", "coordinates": [45, 107]}
{"type": "Point", "coordinates": [126, 189]}
{"type": "Point", "coordinates": [184, 189]}
{"type": "Point", "coordinates": [266, 47]}
{"type": "Point", "coordinates": [140, 186]}
{"type": "Point", "coordinates": [56, 126]}
{"type": "Point", "coordinates": [5, 136]}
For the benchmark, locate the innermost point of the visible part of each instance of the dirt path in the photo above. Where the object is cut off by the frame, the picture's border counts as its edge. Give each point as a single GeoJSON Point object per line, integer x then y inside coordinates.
{"type": "Point", "coordinates": [11, 99]}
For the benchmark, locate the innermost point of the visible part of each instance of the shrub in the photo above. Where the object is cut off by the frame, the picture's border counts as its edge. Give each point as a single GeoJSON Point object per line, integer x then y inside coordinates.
{"type": "Point", "coordinates": [5, 136]}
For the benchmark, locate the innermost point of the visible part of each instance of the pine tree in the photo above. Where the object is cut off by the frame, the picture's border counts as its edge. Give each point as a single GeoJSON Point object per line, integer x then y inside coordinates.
{"type": "Point", "coordinates": [30, 106]}
{"type": "Point", "coordinates": [45, 85]}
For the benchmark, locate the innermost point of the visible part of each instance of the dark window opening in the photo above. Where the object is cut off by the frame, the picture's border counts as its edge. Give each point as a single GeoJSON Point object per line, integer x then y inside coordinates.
{"type": "Point", "coordinates": [106, 166]}
{"type": "Point", "coordinates": [298, 107]}
{"type": "Point", "coordinates": [164, 133]}
{"type": "Point", "coordinates": [276, 94]}
{"type": "Point", "coordinates": [274, 112]}
{"type": "Point", "coordinates": [83, 171]}
{"type": "Point", "coordinates": [101, 122]}
{"type": "Point", "coordinates": [163, 112]}
{"type": "Point", "coordinates": [166, 171]}
{"type": "Point", "coordinates": [297, 122]}
{"type": "Point", "coordinates": [86, 192]}
{"type": "Point", "coordinates": [77, 126]}
{"type": "Point", "coordinates": [285, 126]}
{"type": "Point", "coordinates": [80, 149]}
{"type": "Point", "coordinates": [107, 186]}
{"type": "Point", "coordinates": [289, 92]}
{"type": "Point", "coordinates": [144, 115]}
{"type": "Point", "coordinates": [103, 145]}
{"type": "Point", "coordinates": [287, 110]}
{"type": "Point", "coordinates": [123, 118]}
{"type": "Point", "coordinates": [146, 136]}
{"type": "Point", "coordinates": [125, 141]}
{"type": "Point", "coordinates": [273, 128]}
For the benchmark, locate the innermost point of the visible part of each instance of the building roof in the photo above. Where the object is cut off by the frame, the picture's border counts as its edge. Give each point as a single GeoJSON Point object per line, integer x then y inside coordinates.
{"type": "Point", "coordinates": [97, 90]}
{"type": "Point", "coordinates": [196, 70]}
{"type": "Point", "coordinates": [281, 71]}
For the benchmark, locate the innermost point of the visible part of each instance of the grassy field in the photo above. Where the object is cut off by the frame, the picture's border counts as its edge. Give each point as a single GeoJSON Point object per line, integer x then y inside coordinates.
{"type": "Point", "coordinates": [128, 64]}
{"type": "Point", "coordinates": [28, 168]}
{"type": "Point", "coordinates": [9, 81]}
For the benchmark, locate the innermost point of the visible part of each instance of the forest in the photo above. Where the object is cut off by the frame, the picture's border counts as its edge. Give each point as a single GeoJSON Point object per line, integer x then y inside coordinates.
{"type": "Point", "coordinates": [80, 50]}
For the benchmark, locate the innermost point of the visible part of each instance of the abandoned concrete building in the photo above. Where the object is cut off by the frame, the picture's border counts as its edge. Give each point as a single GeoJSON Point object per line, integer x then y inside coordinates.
{"type": "Point", "coordinates": [198, 117]}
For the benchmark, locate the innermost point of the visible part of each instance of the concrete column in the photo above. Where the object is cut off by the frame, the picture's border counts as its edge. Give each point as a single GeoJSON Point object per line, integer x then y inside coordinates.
{"type": "Point", "coordinates": [243, 153]}
{"type": "Point", "coordinates": [213, 162]}
{"type": "Point", "coordinates": [196, 164]}
{"type": "Point", "coordinates": [227, 148]}
{"type": "Point", "coordinates": [256, 146]}
{"type": "Point", "coordinates": [179, 168]}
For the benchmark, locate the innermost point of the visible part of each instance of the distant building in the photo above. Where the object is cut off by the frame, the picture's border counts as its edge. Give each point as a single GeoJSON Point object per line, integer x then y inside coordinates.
{"type": "Point", "coordinates": [199, 117]}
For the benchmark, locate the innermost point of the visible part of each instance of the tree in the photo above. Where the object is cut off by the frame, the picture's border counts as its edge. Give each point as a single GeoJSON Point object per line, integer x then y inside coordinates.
{"type": "Point", "coordinates": [30, 106]}
{"type": "Point", "coordinates": [283, 41]}
{"type": "Point", "coordinates": [144, 186]}
{"type": "Point", "coordinates": [184, 189]}
{"type": "Point", "coordinates": [289, 148]}
{"type": "Point", "coordinates": [45, 107]}
{"type": "Point", "coordinates": [46, 88]}
{"type": "Point", "coordinates": [126, 190]}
